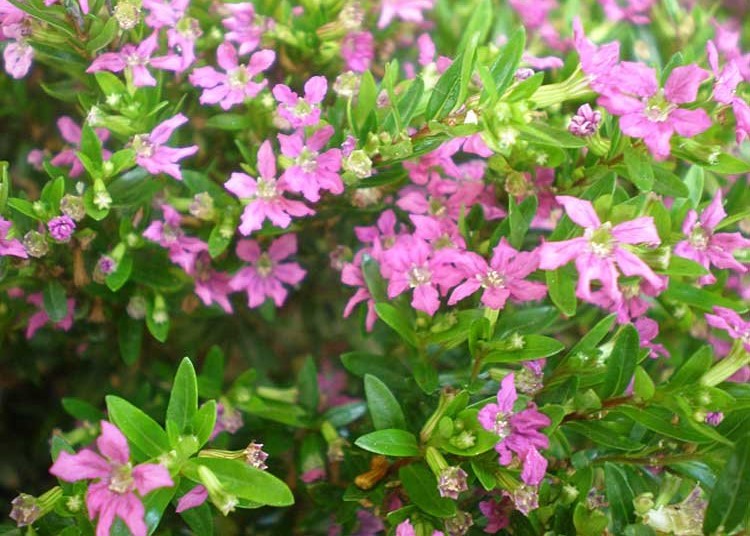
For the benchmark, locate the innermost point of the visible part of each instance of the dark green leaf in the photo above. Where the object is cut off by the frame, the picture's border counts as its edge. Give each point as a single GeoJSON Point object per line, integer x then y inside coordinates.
{"type": "Point", "coordinates": [398, 321]}
{"type": "Point", "coordinates": [384, 408]}
{"type": "Point", "coordinates": [602, 434]}
{"type": "Point", "coordinates": [82, 410]}
{"type": "Point", "coordinates": [593, 337]}
{"type": "Point", "coordinates": [703, 299]}
{"type": "Point", "coordinates": [729, 500]}
{"type": "Point", "coordinates": [141, 430]}
{"type": "Point", "coordinates": [504, 67]}
{"type": "Point", "coordinates": [55, 301]}
{"type": "Point", "coordinates": [421, 486]}
{"type": "Point", "coordinates": [620, 497]}
{"type": "Point", "coordinates": [390, 442]}
{"type": "Point", "coordinates": [307, 383]}
{"type": "Point", "coordinates": [183, 400]}
{"type": "Point", "coordinates": [129, 337]}
{"type": "Point", "coordinates": [120, 276]}
{"type": "Point", "coordinates": [621, 362]}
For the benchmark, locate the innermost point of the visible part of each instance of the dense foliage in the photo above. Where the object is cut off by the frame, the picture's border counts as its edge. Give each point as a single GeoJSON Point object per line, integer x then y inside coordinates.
{"type": "Point", "coordinates": [438, 267]}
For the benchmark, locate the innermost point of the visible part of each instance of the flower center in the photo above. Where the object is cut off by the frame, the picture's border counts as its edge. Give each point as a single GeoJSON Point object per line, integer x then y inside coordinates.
{"type": "Point", "coordinates": [699, 237]}
{"type": "Point", "coordinates": [658, 108]}
{"type": "Point", "coordinates": [419, 275]}
{"type": "Point", "coordinates": [135, 60]}
{"type": "Point", "coordinates": [264, 265]}
{"type": "Point", "coordinates": [601, 241]}
{"type": "Point", "coordinates": [302, 108]}
{"type": "Point", "coordinates": [170, 234]}
{"type": "Point", "coordinates": [142, 145]}
{"type": "Point", "coordinates": [436, 206]}
{"type": "Point", "coordinates": [502, 425]}
{"type": "Point", "coordinates": [239, 77]}
{"type": "Point", "coordinates": [492, 279]}
{"type": "Point", "coordinates": [266, 189]}
{"type": "Point", "coordinates": [121, 478]}
{"type": "Point", "coordinates": [307, 160]}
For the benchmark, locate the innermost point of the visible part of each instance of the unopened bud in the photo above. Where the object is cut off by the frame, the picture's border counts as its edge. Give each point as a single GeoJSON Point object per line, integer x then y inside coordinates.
{"type": "Point", "coordinates": [35, 244]}
{"type": "Point", "coordinates": [127, 13]}
{"type": "Point", "coordinates": [202, 207]}
{"type": "Point", "coordinates": [256, 456]}
{"type": "Point", "coordinates": [137, 307]}
{"type": "Point", "coordinates": [346, 84]}
{"type": "Point", "coordinates": [585, 122]}
{"type": "Point", "coordinates": [25, 510]}
{"type": "Point", "coordinates": [72, 206]}
{"type": "Point", "coordinates": [358, 163]}
{"type": "Point", "coordinates": [459, 524]}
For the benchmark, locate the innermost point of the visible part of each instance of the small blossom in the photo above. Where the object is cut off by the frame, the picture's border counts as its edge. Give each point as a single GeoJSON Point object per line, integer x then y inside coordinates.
{"type": "Point", "coordinates": [236, 85]}
{"type": "Point", "coordinates": [302, 112]}
{"type": "Point", "coordinates": [706, 247]}
{"type": "Point", "coordinates": [114, 492]}
{"type": "Point", "coordinates": [255, 456]}
{"type": "Point", "coordinates": [714, 418]}
{"type": "Point", "coordinates": [525, 498]}
{"type": "Point", "coordinates": [183, 250]}
{"type": "Point", "coordinates": [635, 11]}
{"type": "Point", "coordinates": [406, 10]}
{"type": "Point", "coordinates": [18, 56]}
{"type": "Point", "coordinates": [263, 197]}
{"type": "Point", "coordinates": [25, 510]}
{"type": "Point", "coordinates": [228, 420]}
{"type": "Point", "coordinates": [497, 513]}
{"type": "Point", "coordinates": [601, 250]}
{"type": "Point", "coordinates": [585, 122]}
{"type": "Point", "coordinates": [451, 482]}
{"type": "Point", "coordinates": [243, 30]}
{"type": "Point", "coordinates": [459, 524]}
{"type": "Point", "coordinates": [61, 228]}
{"type": "Point", "coordinates": [312, 169]}
{"type": "Point", "coordinates": [358, 51]}
{"type": "Point", "coordinates": [10, 246]}
{"type": "Point", "coordinates": [266, 274]}
{"type": "Point", "coordinates": [729, 321]}
{"type": "Point", "coordinates": [152, 153]}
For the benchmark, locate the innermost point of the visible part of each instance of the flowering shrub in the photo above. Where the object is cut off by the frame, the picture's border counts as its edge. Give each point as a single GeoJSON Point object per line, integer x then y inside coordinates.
{"type": "Point", "coordinates": [442, 267]}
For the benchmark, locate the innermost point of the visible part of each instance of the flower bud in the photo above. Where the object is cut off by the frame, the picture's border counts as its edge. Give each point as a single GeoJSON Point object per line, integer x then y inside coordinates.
{"type": "Point", "coordinates": [459, 524]}
{"type": "Point", "coordinates": [202, 207]}
{"type": "Point", "coordinates": [35, 244]}
{"type": "Point", "coordinates": [256, 456]}
{"type": "Point", "coordinates": [451, 482]}
{"type": "Point", "coordinates": [224, 501]}
{"type": "Point", "coordinates": [137, 307]}
{"type": "Point", "coordinates": [25, 510]}
{"type": "Point", "coordinates": [72, 205]}
{"type": "Point", "coordinates": [464, 440]}
{"type": "Point", "coordinates": [346, 84]}
{"type": "Point", "coordinates": [61, 228]}
{"type": "Point", "coordinates": [643, 503]}
{"type": "Point", "coordinates": [585, 122]}
{"type": "Point", "coordinates": [127, 13]}
{"type": "Point", "coordinates": [358, 163]}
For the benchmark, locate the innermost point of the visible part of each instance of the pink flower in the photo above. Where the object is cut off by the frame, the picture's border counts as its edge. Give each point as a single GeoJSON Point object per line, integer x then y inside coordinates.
{"type": "Point", "coordinates": [212, 286]}
{"type": "Point", "coordinates": [302, 112]}
{"type": "Point", "coordinates": [648, 329]}
{"type": "Point", "coordinates": [236, 85]}
{"type": "Point", "coordinates": [40, 318]}
{"type": "Point", "coordinates": [358, 51]}
{"type": "Point", "coordinates": [405, 528]}
{"type": "Point", "coordinates": [518, 431]}
{"type": "Point", "coordinates": [411, 264]}
{"type": "Point", "coordinates": [352, 276]}
{"type": "Point", "coordinates": [600, 251]}
{"type": "Point", "coordinates": [113, 494]}
{"type": "Point", "coordinates": [332, 385]}
{"type": "Point", "coordinates": [18, 56]}
{"type": "Point", "coordinates": [136, 60]}
{"type": "Point", "coordinates": [265, 275]}
{"type": "Point", "coordinates": [240, 24]}
{"type": "Point", "coordinates": [264, 196]}
{"type": "Point", "coordinates": [651, 114]}
{"type": "Point", "coordinates": [152, 153]}
{"type": "Point", "coordinates": [497, 513]}
{"type": "Point", "coordinates": [165, 13]}
{"type": "Point", "coordinates": [193, 498]}
{"type": "Point", "coordinates": [502, 278]}
{"type": "Point", "coordinates": [729, 321]}
{"type": "Point", "coordinates": [183, 250]}
{"type": "Point", "coordinates": [406, 10]}
{"type": "Point", "coordinates": [10, 246]}
{"type": "Point", "coordinates": [725, 89]}
{"type": "Point", "coordinates": [72, 133]}
{"type": "Point", "coordinates": [635, 11]}
{"type": "Point", "coordinates": [312, 169]}
{"type": "Point", "coordinates": [706, 247]}
{"type": "Point", "coordinates": [596, 62]}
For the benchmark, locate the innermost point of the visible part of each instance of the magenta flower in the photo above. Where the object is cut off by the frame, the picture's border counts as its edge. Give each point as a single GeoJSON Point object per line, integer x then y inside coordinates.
{"type": "Point", "coordinates": [518, 431]}
{"type": "Point", "coordinates": [406, 10]}
{"type": "Point", "coordinates": [10, 246]}
{"type": "Point", "coordinates": [596, 62]}
{"type": "Point", "coordinates": [600, 251]}
{"type": "Point", "coordinates": [211, 286]}
{"type": "Point", "coordinates": [240, 23]}
{"type": "Point", "coordinates": [651, 114]}
{"type": "Point", "coordinates": [502, 278]}
{"type": "Point", "coordinates": [40, 318]}
{"type": "Point", "coordinates": [72, 134]}
{"type": "Point", "coordinates": [725, 91]}
{"type": "Point", "coordinates": [332, 385]}
{"type": "Point", "coordinates": [302, 112]}
{"type": "Point", "coordinates": [635, 11]}
{"type": "Point", "coordinates": [164, 13]}
{"type": "Point", "coordinates": [411, 264]}
{"type": "Point", "coordinates": [352, 276]}
{"type": "Point", "coordinates": [312, 170]}
{"type": "Point", "coordinates": [152, 153]}
{"type": "Point", "coordinates": [358, 51]}
{"type": "Point", "coordinates": [135, 59]}
{"type": "Point", "coordinates": [585, 122]}
{"type": "Point", "coordinates": [18, 56]}
{"type": "Point", "coordinates": [183, 250]}
{"type": "Point", "coordinates": [729, 321]}
{"type": "Point", "coordinates": [265, 275]}
{"type": "Point", "coordinates": [440, 233]}
{"type": "Point", "coordinates": [61, 228]}
{"type": "Point", "coordinates": [193, 498]}
{"type": "Point", "coordinates": [706, 247]}
{"type": "Point", "coordinates": [114, 492]}
{"type": "Point", "coordinates": [264, 196]}
{"type": "Point", "coordinates": [236, 85]}
{"type": "Point", "coordinates": [497, 513]}
{"type": "Point", "coordinates": [648, 329]}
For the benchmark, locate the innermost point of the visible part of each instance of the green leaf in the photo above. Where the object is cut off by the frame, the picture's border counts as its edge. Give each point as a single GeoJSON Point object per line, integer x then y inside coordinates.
{"type": "Point", "coordinates": [524, 89]}
{"type": "Point", "coordinates": [479, 23]}
{"type": "Point", "coordinates": [680, 266]}
{"type": "Point", "coordinates": [243, 481]}
{"type": "Point", "coordinates": [602, 434]}
{"type": "Point", "coordinates": [386, 367]}
{"type": "Point", "coordinates": [129, 338]}
{"type": "Point", "coordinates": [667, 183]}
{"type": "Point", "coordinates": [142, 431]}
{"type": "Point", "coordinates": [639, 171]}
{"type": "Point", "coordinates": [117, 279]}
{"type": "Point", "coordinates": [534, 347]}
{"type": "Point", "coordinates": [519, 217]}
{"type": "Point", "coordinates": [229, 122]}
{"type": "Point", "coordinates": [728, 503]}
{"type": "Point", "coordinates": [660, 420]}
{"type": "Point", "coordinates": [445, 93]}
{"type": "Point", "coordinates": [204, 421]}
{"type": "Point", "coordinates": [695, 367]}
{"type": "Point", "coordinates": [104, 37]}
{"type": "Point", "coordinates": [589, 522]}
{"type": "Point", "coordinates": [307, 383]}
{"type": "Point", "coordinates": [620, 496]}
{"type": "Point", "coordinates": [507, 61]}
{"type": "Point", "coordinates": [561, 285]}
{"type": "Point", "coordinates": [621, 362]}
{"type": "Point", "coordinates": [82, 410]}
{"type": "Point", "coordinates": [397, 321]}
{"type": "Point", "coordinates": [390, 442]}
{"type": "Point", "coordinates": [543, 134]}
{"type": "Point", "coordinates": [384, 408]}
{"type": "Point", "coordinates": [183, 400]}
{"type": "Point", "coordinates": [701, 298]}
{"type": "Point", "coordinates": [200, 520]}
{"type": "Point", "coordinates": [421, 486]}
{"type": "Point", "coordinates": [694, 180]}
{"type": "Point", "coordinates": [218, 241]}
{"type": "Point", "coordinates": [407, 106]}
{"type": "Point", "coordinates": [729, 165]}
{"type": "Point", "coordinates": [594, 336]}
{"type": "Point", "coordinates": [366, 98]}
{"type": "Point", "coordinates": [55, 301]}
{"type": "Point", "coordinates": [643, 385]}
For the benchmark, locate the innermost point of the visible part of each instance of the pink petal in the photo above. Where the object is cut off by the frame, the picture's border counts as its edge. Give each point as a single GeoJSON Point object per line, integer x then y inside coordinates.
{"type": "Point", "coordinates": [84, 465]}
{"type": "Point", "coordinates": [507, 395]}
{"type": "Point", "coordinates": [315, 89]}
{"type": "Point", "coordinates": [637, 231]}
{"type": "Point", "coordinates": [226, 57]}
{"type": "Point", "coordinates": [130, 510]}
{"type": "Point", "coordinates": [112, 444]}
{"type": "Point", "coordinates": [266, 161]}
{"type": "Point", "coordinates": [713, 213]}
{"type": "Point", "coordinates": [194, 497]}
{"type": "Point", "coordinates": [248, 250]}
{"type": "Point", "coordinates": [426, 299]}
{"type": "Point", "coordinates": [683, 83]}
{"type": "Point", "coordinates": [151, 476]}
{"type": "Point", "coordinates": [552, 255]}
{"type": "Point", "coordinates": [534, 467]}
{"type": "Point", "coordinates": [580, 211]}
{"type": "Point", "coordinates": [164, 130]}
{"type": "Point", "coordinates": [689, 123]}
{"type": "Point", "coordinates": [283, 247]}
